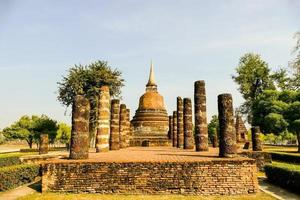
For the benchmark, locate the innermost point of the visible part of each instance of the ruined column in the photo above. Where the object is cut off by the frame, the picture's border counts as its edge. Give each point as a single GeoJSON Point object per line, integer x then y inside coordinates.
{"type": "Point", "coordinates": [103, 129]}
{"type": "Point", "coordinates": [215, 140]}
{"type": "Point", "coordinates": [179, 122]}
{"type": "Point", "coordinates": [175, 129]}
{"type": "Point", "coordinates": [128, 133]}
{"type": "Point", "coordinates": [227, 144]}
{"type": "Point", "coordinates": [170, 128]}
{"type": "Point", "coordinates": [123, 126]}
{"type": "Point", "coordinates": [188, 124]}
{"type": "Point", "coordinates": [44, 144]}
{"type": "Point", "coordinates": [256, 142]}
{"type": "Point", "coordinates": [114, 125]}
{"type": "Point", "coordinates": [79, 148]}
{"type": "Point", "coordinates": [201, 133]}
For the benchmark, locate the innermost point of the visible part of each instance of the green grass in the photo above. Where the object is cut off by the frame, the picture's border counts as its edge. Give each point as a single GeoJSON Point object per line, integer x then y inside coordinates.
{"type": "Point", "coordinates": [61, 196]}
{"type": "Point", "coordinates": [16, 154]}
{"type": "Point", "coordinates": [290, 166]}
{"type": "Point", "coordinates": [282, 150]}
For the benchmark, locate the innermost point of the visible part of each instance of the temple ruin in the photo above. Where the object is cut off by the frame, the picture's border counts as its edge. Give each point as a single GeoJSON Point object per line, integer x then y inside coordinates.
{"type": "Point", "coordinates": [151, 121]}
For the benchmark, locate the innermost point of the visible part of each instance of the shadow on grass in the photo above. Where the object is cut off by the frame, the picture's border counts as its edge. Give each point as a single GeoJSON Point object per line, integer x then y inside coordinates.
{"type": "Point", "coordinates": [37, 186]}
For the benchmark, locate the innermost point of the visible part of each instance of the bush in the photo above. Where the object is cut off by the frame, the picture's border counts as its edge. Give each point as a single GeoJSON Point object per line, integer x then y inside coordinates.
{"type": "Point", "coordinates": [284, 176]}
{"type": "Point", "coordinates": [285, 157]}
{"type": "Point", "coordinates": [14, 176]}
{"type": "Point", "coordinates": [9, 159]}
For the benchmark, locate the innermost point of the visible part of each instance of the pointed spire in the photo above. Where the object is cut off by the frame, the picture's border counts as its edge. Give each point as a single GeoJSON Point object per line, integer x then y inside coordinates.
{"type": "Point", "coordinates": [151, 81]}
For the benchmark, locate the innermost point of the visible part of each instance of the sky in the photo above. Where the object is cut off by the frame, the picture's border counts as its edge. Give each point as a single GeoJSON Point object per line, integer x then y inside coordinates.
{"type": "Point", "coordinates": [187, 40]}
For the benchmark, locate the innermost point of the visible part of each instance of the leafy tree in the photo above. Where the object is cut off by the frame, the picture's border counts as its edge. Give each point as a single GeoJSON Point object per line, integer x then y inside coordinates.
{"type": "Point", "coordinates": [213, 127]}
{"type": "Point", "coordinates": [278, 112]}
{"type": "Point", "coordinates": [86, 80]}
{"type": "Point", "coordinates": [29, 128]}
{"type": "Point", "coordinates": [293, 116]}
{"type": "Point", "coordinates": [45, 125]}
{"type": "Point", "coordinates": [64, 134]}
{"type": "Point", "coordinates": [253, 77]}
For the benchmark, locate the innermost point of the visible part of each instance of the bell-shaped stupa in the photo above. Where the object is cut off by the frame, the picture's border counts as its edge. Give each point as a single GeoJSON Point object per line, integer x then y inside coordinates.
{"type": "Point", "coordinates": [150, 123]}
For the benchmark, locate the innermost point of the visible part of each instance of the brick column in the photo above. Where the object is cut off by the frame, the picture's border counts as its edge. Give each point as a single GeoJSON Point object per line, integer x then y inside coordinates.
{"type": "Point", "coordinates": [215, 140]}
{"type": "Point", "coordinates": [103, 130]}
{"type": "Point", "coordinates": [201, 133]}
{"type": "Point", "coordinates": [44, 144]}
{"type": "Point", "coordinates": [188, 124]}
{"type": "Point", "coordinates": [256, 142]}
{"type": "Point", "coordinates": [114, 125]}
{"type": "Point", "coordinates": [179, 122]}
{"type": "Point", "coordinates": [123, 126]}
{"type": "Point", "coordinates": [227, 144]}
{"type": "Point", "coordinates": [175, 129]}
{"type": "Point", "coordinates": [79, 148]}
{"type": "Point", "coordinates": [128, 134]}
{"type": "Point", "coordinates": [170, 128]}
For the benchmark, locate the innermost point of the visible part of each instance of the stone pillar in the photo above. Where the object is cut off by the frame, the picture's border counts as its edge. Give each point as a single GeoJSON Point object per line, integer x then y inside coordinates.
{"type": "Point", "coordinates": [103, 130]}
{"type": "Point", "coordinates": [174, 129]}
{"type": "Point", "coordinates": [256, 142]}
{"type": "Point", "coordinates": [44, 144]}
{"type": "Point", "coordinates": [227, 144]}
{"type": "Point", "coordinates": [79, 148]}
{"type": "Point", "coordinates": [201, 133]}
{"type": "Point", "coordinates": [188, 124]}
{"type": "Point", "coordinates": [123, 126]}
{"type": "Point", "coordinates": [170, 128]}
{"type": "Point", "coordinates": [215, 140]}
{"type": "Point", "coordinates": [128, 132]}
{"type": "Point", "coordinates": [114, 125]}
{"type": "Point", "coordinates": [179, 122]}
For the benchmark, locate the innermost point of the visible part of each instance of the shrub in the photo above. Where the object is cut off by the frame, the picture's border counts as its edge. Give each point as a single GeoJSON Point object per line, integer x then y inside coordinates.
{"type": "Point", "coordinates": [284, 175]}
{"type": "Point", "coordinates": [9, 159]}
{"type": "Point", "coordinates": [285, 157]}
{"type": "Point", "coordinates": [14, 176]}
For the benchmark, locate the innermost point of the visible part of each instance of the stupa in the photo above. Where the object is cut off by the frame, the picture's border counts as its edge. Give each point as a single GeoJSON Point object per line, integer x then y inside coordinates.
{"type": "Point", "coordinates": [150, 123]}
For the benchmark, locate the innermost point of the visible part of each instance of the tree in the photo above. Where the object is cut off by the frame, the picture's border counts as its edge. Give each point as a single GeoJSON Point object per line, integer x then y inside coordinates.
{"type": "Point", "coordinates": [278, 112]}
{"type": "Point", "coordinates": [64, 134]}
{"type": "Point", "coordinates": [45, 125]}
{"type": "Point", "coordinates": [253, 77]}
{"type": "Point", "coordinates": [213, 127]}
{"type": "Point", "coordinates": [29, 129]}
{"type": "Point", "coordinates": [293, 117]}
{"type": "Point", "coordinates": [86, 80]}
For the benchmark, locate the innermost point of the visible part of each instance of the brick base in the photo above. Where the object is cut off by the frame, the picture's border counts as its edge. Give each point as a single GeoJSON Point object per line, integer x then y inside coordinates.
{"type": "Point", "coordinates": [215, 177]}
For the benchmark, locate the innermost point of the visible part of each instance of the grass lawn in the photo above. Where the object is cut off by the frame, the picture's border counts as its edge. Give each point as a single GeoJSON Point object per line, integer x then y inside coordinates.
{"type": "Point", "coordinates": [18, 154]}
{"type": "Point", "coordinates": [61, 196]}
{"type": "Point", "coordinates": [282, 150]}
{"type": "Point", "coordinates": [290, 166]}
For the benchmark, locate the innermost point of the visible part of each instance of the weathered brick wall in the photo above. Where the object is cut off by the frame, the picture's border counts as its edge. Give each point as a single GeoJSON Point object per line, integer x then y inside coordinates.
{"type": "Point", "coordinates": [217, 177]}
{"type": "Point", "coordinates": [261, 158]}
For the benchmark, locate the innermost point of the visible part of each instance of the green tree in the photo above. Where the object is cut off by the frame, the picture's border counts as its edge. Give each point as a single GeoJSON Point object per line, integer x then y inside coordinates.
{"type": "Point", "coordinates": [86, 80]}
{"type": "Point", "coordinates": [213, 127]}
{"type": "Point", "coordinates": [293, 117]}
{"type": "Point", "coordinates": [64, 134]}
{"type": "Point", "coordinates": [45, 125]}
{"type": "Point", "coordinates": [253, 77]}
{"type": "Point", "coordinates": [29, 128]}
{"type": "Point", "coordinates": [278, 112]}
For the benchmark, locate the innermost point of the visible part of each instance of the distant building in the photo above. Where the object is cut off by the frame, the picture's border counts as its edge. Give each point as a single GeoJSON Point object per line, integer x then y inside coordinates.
{"type": "Point", "coordinates": [241, 130]}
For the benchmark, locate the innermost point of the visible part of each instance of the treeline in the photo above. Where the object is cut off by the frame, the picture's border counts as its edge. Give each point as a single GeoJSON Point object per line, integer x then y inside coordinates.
{"type": "Point", "coordinates": [272, 98]}
{"type": "Point", "coordinates": [29, 128]}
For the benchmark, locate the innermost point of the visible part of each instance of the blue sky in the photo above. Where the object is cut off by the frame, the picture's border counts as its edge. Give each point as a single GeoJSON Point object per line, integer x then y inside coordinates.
{"type": "Point", "coordinates": [187, 41]}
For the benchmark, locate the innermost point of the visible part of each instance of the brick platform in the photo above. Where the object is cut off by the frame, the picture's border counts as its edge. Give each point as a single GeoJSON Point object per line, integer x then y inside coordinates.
{"type": "Point", "coordinates": [152, 171]}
